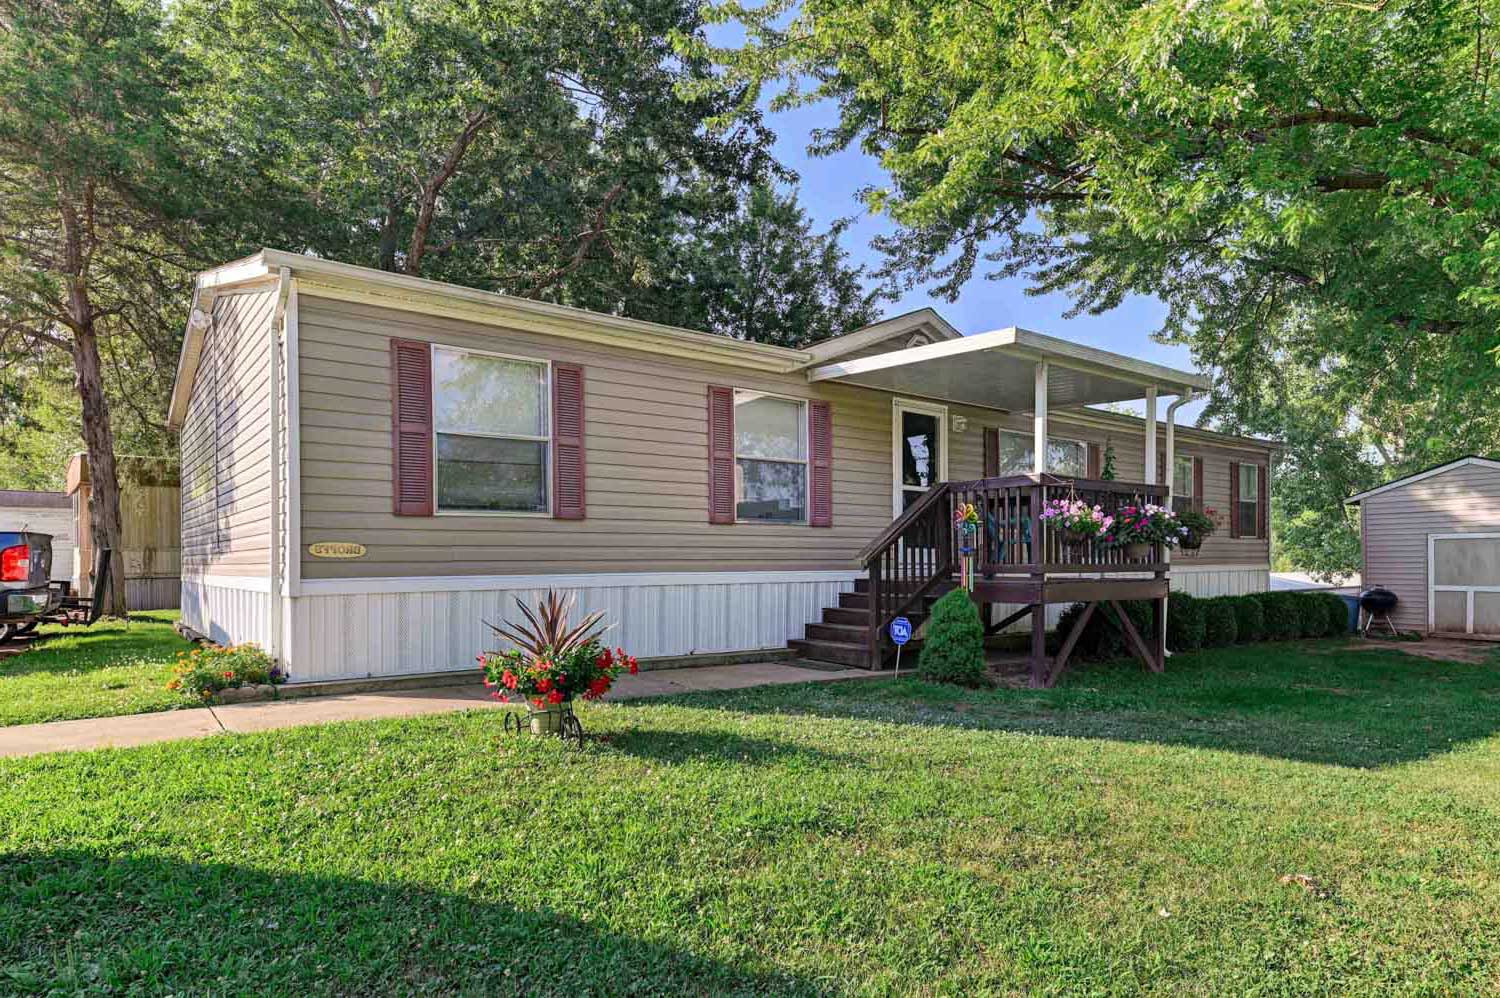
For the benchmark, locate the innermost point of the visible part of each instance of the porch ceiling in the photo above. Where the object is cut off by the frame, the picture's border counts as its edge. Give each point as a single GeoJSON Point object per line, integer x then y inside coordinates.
{"type": "Point", "coordinates": [998, 370]}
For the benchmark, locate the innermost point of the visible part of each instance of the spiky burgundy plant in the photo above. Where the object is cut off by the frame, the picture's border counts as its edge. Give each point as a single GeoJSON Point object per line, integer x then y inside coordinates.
{"type": "Point", "coordinates": [548, 632]}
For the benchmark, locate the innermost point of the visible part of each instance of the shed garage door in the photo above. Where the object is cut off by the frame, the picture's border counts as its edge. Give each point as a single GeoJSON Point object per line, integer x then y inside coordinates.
{"type": "Point", "coordinates": [1464, 575]}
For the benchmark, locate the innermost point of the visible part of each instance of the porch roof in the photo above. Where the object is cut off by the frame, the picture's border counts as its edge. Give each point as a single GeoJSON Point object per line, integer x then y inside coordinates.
{"type": "Point", "coordinates": [998, 370]}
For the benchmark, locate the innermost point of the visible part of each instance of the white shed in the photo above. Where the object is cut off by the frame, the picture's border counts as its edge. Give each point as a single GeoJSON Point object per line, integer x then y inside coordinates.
{"type": "Point", "coordinates": [46, 513]}
{"type": "Point", "coordinates": [1433, 538]}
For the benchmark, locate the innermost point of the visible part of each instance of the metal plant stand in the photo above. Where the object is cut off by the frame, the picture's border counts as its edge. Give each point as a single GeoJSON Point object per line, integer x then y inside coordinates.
{"type": "Point", "coordinates": [568, 727]}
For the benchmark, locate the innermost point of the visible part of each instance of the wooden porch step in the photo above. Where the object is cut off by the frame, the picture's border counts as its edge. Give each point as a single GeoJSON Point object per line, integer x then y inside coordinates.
{"type": "Point", "coordinates": [854, 601]}
{"type": "Point", "coordinates": [841, 633]}
{"type": "Point", "coordinates": [844, 615]}
{"type": "Point", "coordinates": [838, 652]}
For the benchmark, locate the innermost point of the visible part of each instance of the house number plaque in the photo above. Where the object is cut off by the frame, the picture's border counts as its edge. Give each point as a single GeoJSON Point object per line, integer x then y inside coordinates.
{"type": "Point", "coordinates": [336, 549]}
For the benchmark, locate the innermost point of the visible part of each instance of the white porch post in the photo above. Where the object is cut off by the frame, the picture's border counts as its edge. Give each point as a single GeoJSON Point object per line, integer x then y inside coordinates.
{"type": "Point", "coordinates": [1039, 422]}
{"type": "Point", "coordinates": [1151, 435]}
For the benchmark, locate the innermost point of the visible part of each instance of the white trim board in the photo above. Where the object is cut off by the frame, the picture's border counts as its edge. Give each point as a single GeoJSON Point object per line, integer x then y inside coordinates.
{"type": "Point", "coordinates": [1400, 483]}
{"type": "Point", "coordinates": [602, 580]}
{"type": "Point", "coordinates": [244, 583]}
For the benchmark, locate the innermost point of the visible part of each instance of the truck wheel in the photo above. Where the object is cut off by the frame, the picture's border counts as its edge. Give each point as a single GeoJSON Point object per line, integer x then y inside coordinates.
{"type": "Point", "coordinates": [7, 631]}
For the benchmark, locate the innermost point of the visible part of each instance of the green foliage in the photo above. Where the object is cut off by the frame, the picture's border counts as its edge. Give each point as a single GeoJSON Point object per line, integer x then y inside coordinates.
{"type": "Point", "coordinates": [204, 671]}
{"type": "Point", "coordinates": [1186, 622]}
{"type": "Point", "coordinates": [1249, 617]}
{"type": "Point", "coordinates": [1220, 622]}
{"type": "Point", "coordinates": [1283, 615]}
{"type": "Point", "coordinates": [1337, 611]}
{"type": "Point", "coordinates": [1107, 465]}
{"type": "Point", "coordinates": [953, 642]}
{"type": "Point", "coordinates": [1309, 188]}
{"type": "Point", "coordinates": [109, 668]}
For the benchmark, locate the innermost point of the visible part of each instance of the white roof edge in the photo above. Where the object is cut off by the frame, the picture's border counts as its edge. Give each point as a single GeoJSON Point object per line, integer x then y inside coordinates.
{"type": "Point", "coordinates": [1027, 343]}
{"type": "Point", "coordinates": [1081, 354]}
{"type": "Point", "coordinates": [925, 319]}
{"type": "Point", "coordinates": [784, 358]}
{"type": "Point", "coordinates": [1399, 483]}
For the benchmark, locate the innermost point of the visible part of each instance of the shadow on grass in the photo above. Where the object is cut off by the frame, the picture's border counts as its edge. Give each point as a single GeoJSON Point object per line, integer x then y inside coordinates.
{"type": "Point", "coordinates": [688, 746]}
{"type": "Point", "coordinates": [76, 921]}
{"type": "Point", "coordinates": [1321, 702]}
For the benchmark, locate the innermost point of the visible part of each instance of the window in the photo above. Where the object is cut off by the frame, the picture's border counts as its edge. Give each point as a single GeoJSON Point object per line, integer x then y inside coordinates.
{"type": "Point", "coordinates": [492, 432]}
{"type": "Point", "coordinates": [770, 456]}
{"type": "Point", "coordinates": [1247, 511]}
{"type": "Point", "coordinates": [1182, 484]}
{"type": "Point", "coordinates": [1064, 457]}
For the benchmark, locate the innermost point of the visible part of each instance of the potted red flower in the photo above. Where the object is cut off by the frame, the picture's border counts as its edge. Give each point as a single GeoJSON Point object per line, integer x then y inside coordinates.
{"type": "Point", "coordinates": [552, 663]}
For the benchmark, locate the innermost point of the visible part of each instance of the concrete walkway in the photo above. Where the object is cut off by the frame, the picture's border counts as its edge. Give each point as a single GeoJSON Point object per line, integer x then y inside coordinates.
{"type": "Point", "coordinates": [264, 715]}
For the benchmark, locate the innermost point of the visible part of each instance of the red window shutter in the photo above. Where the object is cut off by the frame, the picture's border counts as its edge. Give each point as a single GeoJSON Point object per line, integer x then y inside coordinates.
{"type": "Point", "coordinates": [1234, 498]}
{"type": "Point", "coordinates": [1198, 503]}
{"type": "Point", "coordinates": [1263, 503]}
{"type": "Point", "coordinates": [567, 442]}
{"type": "Point", "coordinates": [1096, 462]}
{"type": "Point", "coordinates": [820, 443]}
{"type": "Point", "coordinates": [1161, 467]}
{"type": "Point", "coordinates": [991, 452]}
{"type": "Point", "coordinates": [411, 427]}
{"type": "Point", "coordinates": [720, 454]}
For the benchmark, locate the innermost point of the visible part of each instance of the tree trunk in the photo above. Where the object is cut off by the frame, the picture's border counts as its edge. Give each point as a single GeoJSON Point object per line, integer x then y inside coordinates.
{"type": "Point", "coordinates": [98, 437]}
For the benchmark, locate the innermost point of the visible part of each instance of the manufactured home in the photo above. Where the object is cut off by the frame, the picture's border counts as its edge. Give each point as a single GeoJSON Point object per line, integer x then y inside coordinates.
{"type": "Point", "coordinates": [1433, 539]}
{"type": "Point", "coordinates": [373, 465]}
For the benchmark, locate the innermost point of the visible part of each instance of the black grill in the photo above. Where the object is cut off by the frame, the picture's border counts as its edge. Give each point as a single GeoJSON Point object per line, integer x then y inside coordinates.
{"type": "Point", "coordinates": [1377, 599]}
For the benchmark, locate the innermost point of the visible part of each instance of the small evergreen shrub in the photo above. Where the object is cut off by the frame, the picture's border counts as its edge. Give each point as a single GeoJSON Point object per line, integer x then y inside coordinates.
{"type": "Point", "coordinates": [953, 646]}
{"type": "Point", "coordinates": [1220, 622]}
{"type": "Point", "coordinates": [1185, 622]}
{"type": "Point", "coordinates": [1249, 618]}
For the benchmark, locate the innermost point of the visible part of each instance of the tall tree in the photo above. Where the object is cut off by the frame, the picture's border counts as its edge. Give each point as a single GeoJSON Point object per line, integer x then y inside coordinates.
{"type": "Point", "coordinates": [88, 174]}
{"type": "Point", "coordinates": [1312, 188]}
{"type": "Point", "coordinates": [536, 148]}
{"type": "Point", "coordinates": [763, 273]}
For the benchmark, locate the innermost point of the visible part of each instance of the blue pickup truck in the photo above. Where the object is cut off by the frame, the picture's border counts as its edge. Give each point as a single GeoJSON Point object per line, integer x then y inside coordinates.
{"type": "Point", "coordinates": [27, 594]}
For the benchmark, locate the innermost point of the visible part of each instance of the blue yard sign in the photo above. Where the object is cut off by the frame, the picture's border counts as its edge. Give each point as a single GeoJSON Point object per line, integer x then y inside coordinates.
{"type": "Point", "coordinates": [900, 635]}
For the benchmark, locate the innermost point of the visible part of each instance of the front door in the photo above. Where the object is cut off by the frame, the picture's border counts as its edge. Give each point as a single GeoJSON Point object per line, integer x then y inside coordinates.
{"type": "Point", "coordinates": [920, 439]}
{"type": "Point", "coordinates": [1464, 581]}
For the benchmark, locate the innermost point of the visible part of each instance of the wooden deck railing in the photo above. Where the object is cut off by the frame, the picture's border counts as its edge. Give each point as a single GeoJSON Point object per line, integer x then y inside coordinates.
{"type": "Point", "coordinates": [918, 553]}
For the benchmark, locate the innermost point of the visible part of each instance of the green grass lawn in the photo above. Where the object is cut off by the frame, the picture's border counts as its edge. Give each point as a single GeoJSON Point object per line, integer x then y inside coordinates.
{"type": "Point", "coordinates": [112, 667]}
{"type": "Point", "coordinates": [1121, 833]}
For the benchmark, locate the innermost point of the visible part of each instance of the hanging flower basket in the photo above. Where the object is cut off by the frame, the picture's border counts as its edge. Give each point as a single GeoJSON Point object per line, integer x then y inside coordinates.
{"type": "Point", "coordinates": [1136, 528]}
{"type": "Point", "coordinates": [1077, 523]}
{"type": "Point", "coordinates": [1138, 550]}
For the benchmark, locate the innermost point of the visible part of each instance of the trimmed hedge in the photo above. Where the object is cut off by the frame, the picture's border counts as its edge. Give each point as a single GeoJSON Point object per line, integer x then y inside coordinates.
{"type": "Point", "coordinates": [1249, 618]}
{"type": "Point", "coordinates": [1185, 622]}
{"type": "Point", "coordinates": [1220, 622]}
{"type": "Point", "coordinates": [953, 645]}
{"type": "Point", "coordinates": [1193, 622]}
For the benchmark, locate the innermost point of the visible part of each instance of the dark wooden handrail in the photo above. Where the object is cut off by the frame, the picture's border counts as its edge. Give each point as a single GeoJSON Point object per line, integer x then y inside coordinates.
{"type": "Point", "coordinates": [900, 523]}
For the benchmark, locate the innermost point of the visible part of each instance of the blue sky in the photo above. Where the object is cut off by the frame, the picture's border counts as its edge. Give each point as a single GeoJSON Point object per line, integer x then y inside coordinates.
{"type": "Point", "coordinates": [828, 186]}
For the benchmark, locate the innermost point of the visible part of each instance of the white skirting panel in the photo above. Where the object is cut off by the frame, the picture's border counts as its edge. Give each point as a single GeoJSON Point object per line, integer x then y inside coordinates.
{"type": "Point", "coordinates": [1220, 580]}
{"type": "Point", "coordinates": [228, 610]}
{"type": "Point", "coordinates": [361, 634]}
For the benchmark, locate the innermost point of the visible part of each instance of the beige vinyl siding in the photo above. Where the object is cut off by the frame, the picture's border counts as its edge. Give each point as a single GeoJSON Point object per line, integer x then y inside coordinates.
{"type": "Point", "coordinates": [1395, 526]}
{"type": "Point", "coordinates": [647, 462]}
{"type": "Point", "coordinates": [225, 442]}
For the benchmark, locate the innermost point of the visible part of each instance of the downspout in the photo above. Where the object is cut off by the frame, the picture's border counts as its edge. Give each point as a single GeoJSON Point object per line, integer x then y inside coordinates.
{"type": "Point", "coordinates": [1170, 456]}
{"type": "Point", "coordinates": [277, 340]}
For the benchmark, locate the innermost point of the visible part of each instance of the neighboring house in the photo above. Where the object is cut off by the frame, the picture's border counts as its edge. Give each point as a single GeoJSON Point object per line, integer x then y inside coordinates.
{"type": "Point", "coordinates": [150, 527]}
{"type": "Point", "coordinates": [45, 513]}
{"type": "Point", "coordinates": [374, 464]}
{"type": "Point", "coordinates": [1433, 538]}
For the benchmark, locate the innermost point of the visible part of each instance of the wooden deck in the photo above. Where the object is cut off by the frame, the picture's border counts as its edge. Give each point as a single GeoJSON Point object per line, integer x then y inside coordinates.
{"type": "Point", "coordinates": [1016, 559]}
